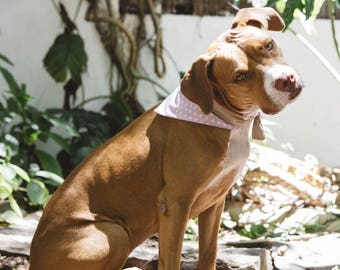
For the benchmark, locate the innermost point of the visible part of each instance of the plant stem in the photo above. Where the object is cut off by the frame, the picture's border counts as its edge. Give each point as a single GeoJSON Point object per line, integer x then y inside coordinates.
{"type": "Point", "coordinates": [120, 26]}
{"type": "Point", "coordinates": [331, 13]}
{"type": "Point", "coordinates": [77, 10]}
{"type": "Point", "coordinates": [55, 5]}
{"type": "Point", "coordinates": [318, 55]}
{"type": "Point", "coordinates": [91, 99]}
{"type": "Point", "coordinates": [140, 77]}
{"type": "Point", "coordinates": [160, 67]}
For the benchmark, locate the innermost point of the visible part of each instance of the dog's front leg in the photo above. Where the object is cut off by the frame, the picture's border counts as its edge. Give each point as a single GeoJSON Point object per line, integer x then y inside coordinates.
{"type": "Point", "coordinates": [173, 217]}
{"type": "Point", "coordinates": [209, 223]}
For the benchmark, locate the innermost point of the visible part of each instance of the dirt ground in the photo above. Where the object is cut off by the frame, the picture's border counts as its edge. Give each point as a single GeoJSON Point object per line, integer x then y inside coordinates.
{"type": "Point", "coordinates": [9, 261]}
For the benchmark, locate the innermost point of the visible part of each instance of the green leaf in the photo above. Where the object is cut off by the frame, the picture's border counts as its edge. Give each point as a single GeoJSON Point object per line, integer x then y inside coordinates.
{"type": "Point", "coordinates": [66, 55]}
{"type": "Point", "coordinates": [11, 82]}
{"type": "Point", "coordinates": [288, 12]}
{"type": "Point", "coordinates": [5, 59]}
{"type": "Point", "coordinates": [313, 228]}
{"type": "Point", "coordinates": [48, 162]}
{"type": "Point", "coordinates": [254, 232]}
{"type": "Point", "coordinates": [271, 3]}
{"type": "Point", "coordinates": [62, 124]}
{"type": "Point", "coordinates": [247, 234]}
{"type": "Point", "coordinates": [13, 143]}
{"type": "Point", "coordinates": [9, 217]}
{"type": "Point", "coordinates": [31, 134]}
{"type": "Point", "coordinates": [309, 7]}
{"type": "Point", "coordinates": [5, 189]}
{"type": "Point", "coordinates": [15, 183]}
{"type": "Point", "coordinates": [52, 178]}
{"type": "Point", "coordinates": [33, 168]}
{"type": "Point", "coordinates": [14, 205]}
{"type": "Point", "coordinates": [258, 229]}
{"type": "Point", "coordinates": [22, 173]}
{"type": "Point", "coordinates": [37, 117]}
{"type": "Point", "coordinates": [37, 192]}
{"type": "Point", "coordinates": [7, 172]}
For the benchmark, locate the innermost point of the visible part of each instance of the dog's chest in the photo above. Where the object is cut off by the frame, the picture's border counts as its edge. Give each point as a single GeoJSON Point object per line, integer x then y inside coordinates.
{"type": "Point", "coordinates": [233, 163]}
{"type": "Point", "coordinates": [231, 167]}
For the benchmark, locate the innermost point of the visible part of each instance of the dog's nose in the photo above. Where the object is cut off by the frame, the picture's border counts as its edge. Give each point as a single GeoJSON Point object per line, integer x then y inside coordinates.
{"type": "Point", "coordinates": [289, 84]}
{"type": "Point", "coordinates": [285, 84]}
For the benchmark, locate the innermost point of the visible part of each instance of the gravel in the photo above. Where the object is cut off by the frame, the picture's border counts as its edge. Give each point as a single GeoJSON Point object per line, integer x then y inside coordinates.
{"type": "Point", "coordinates": [9, 261]}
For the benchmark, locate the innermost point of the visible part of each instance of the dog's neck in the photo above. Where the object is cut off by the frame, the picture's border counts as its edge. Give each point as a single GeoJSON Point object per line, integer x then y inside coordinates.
{"type": "Point", "coordinates": [177, 106]}
{"type": "Point", "coordinates": [238, 117]}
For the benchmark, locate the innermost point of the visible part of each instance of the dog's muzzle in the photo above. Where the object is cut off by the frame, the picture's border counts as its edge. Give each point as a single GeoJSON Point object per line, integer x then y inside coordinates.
{"type": "Point", "coordinates": [290, 84]}
{"type": "Point", "coordinates": [282, 84]}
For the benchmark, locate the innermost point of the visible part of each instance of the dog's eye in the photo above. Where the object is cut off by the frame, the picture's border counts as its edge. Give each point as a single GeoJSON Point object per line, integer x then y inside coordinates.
{"type": "Point", "coordinates": [269, 46]}
{"type": "Point", "coordinates": [240, 76]}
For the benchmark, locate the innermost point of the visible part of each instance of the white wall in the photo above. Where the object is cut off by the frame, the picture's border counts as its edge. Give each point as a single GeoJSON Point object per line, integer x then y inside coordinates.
{"type": "Point", "coordinates": [310, 125]}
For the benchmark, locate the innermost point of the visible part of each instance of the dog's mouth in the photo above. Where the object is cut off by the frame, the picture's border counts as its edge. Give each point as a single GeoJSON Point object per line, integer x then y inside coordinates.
{"type": "Point", "coordinates": [294, 93]}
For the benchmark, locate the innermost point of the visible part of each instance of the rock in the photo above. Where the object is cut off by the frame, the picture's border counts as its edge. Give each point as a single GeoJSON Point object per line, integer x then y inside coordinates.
{"type": "Point", "coordinates": [17, 237]}
{"type": "Point", "coordinates": [318, 253]}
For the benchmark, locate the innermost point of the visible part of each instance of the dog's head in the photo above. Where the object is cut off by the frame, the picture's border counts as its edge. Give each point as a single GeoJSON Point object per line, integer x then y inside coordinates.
{"type": "Point", "coordinates": [244, 67]}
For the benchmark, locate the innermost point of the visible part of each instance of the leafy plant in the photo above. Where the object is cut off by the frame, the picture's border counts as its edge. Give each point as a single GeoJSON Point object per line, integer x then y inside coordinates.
{"type": "Point", "coordinates": [310, 9]}
{"type": "Point", "coordinates": [313, 228]}
{"type": "Point", "coordinates": [258, 230]}
{"type": "Point", "coordinates": [288, 8]}
{"type": "Point", "coordinates": [67, 58]}
{"type": "Point", "coordinates": [28, 173]}
{"type": "Point", "coordinates": [34, 184]}
{"type": "Point", "coordinates": [22, 126]}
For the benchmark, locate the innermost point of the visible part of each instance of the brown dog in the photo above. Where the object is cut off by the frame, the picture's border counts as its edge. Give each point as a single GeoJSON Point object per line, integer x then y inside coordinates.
{"type": "Point", "coordinates": [160, 171]}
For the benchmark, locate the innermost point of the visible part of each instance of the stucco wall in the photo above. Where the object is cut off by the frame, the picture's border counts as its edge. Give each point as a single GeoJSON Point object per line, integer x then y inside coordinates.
{"type": "Point", "coordinates": [310, 125]}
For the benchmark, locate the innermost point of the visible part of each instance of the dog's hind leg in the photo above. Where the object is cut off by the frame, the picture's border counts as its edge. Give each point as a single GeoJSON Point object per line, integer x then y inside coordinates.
{"type": "Point", "coordinates": [119, 245]}
{"type": "Point", "coordinates": [100, 245]}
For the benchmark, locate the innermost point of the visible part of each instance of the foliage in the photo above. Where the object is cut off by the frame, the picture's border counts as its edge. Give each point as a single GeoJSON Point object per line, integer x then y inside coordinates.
{"type": "Point", "coordinates": [67, 59]}
{"type": "Point", "coordinates": [288, 8]}
{"type": "Point", "coordinates": [309, 9]}
{"type": "Point", "coordinates": [31, 187]}
{"type": "Point", "coordinates": [66, 55]}
{"type": "Point", "coordinates": [27, 172]}
{"type": "Point", "coordinates": [22, 126]}
{"type": "Point", "coordinates": [258, 230]}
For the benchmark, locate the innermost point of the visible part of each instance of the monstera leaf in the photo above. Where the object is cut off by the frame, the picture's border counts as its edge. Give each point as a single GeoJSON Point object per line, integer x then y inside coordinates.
{"type": "Point", "coordinates": [66, 56]}
{"type": "Point", "coordinates": [287, 8]}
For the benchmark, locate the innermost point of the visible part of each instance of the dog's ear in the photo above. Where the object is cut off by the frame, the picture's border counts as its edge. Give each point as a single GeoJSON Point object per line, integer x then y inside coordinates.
{"type": "Point", "coordinates": [196, 86]}
{"type": "Point", "coordinates": [266, 18]}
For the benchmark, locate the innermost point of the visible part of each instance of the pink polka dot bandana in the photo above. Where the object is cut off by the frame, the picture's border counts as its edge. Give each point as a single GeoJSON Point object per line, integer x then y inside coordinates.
{"type": "Point", "coordinates": [177, 106]}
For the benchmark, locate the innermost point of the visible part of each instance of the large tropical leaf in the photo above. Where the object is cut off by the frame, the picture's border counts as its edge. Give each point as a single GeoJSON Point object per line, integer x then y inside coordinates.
{"type": "Point", "coordinates": [66, 56]}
